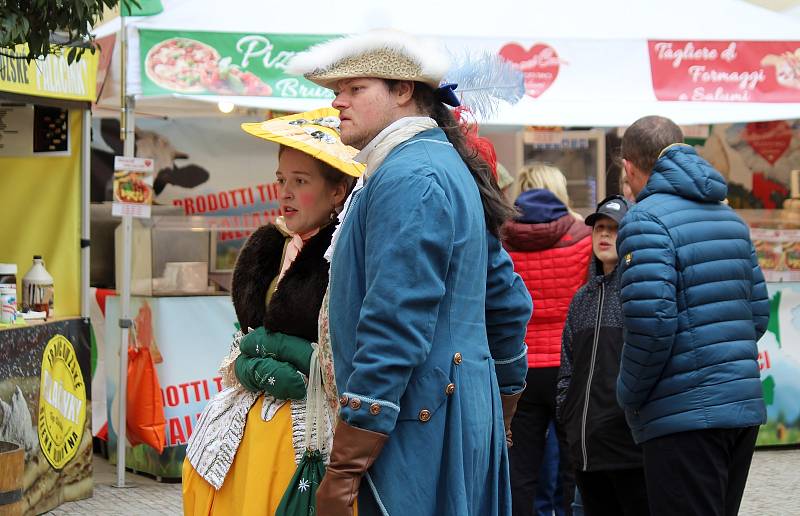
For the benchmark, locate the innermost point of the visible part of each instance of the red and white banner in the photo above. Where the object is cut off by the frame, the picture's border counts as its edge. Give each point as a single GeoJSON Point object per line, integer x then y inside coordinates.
{"type": "Point", "coordinates": [726, 71]}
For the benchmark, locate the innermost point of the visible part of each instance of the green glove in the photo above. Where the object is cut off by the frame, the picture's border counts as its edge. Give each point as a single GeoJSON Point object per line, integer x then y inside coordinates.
{"type": "Point", "coordinates": [286, 348]}
{"type": "Point", "coordinates": [274, 377]}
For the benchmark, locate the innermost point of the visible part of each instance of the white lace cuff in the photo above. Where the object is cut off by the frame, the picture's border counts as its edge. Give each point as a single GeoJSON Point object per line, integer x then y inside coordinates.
{"type": "Point", "coordinates": [226, 368]}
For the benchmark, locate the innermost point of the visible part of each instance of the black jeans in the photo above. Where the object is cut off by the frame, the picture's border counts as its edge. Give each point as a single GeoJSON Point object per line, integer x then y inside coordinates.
{"type": "Point", "coordinates": [535, 410]}
{"type": "Point", "coordinates": [620, 492]}
{"type": "Point", "coordinates": [702, 472]}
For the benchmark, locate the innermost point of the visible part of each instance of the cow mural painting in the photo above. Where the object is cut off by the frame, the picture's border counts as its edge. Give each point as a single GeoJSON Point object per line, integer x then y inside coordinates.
{"type": "Point", "coordinates": [148, 144]}
{"type": "Point", "coordinates": [204, 167]}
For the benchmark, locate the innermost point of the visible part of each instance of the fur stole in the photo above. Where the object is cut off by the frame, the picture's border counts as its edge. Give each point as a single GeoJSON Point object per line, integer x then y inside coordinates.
{"type": "Point", "coordinates": [294, 307]}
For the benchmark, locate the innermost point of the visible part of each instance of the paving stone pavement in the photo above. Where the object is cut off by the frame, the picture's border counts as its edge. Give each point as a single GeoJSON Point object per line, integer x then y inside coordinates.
{"type": "Point", "coordinates": [773, 489]}
{"type": "Point", "coordinates": [146, 498]}
{"type": "Point", "coordinates": [773, 486]}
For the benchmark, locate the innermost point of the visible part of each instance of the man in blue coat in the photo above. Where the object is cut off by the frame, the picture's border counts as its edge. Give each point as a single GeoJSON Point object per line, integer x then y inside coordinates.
{"type": "Point", "coordinates": [427, 317]}
{"type": "Point", "coordinates": [695, 303]}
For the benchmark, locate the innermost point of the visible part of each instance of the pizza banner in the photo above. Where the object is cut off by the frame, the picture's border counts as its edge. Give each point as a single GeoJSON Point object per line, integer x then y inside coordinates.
{"type": "Point", "coordinates": [726, 71]}
{"type": "Point", "coordinates": [217, 63]}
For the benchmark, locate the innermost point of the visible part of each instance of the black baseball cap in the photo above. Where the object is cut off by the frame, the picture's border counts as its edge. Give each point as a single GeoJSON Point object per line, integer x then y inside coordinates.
{"type": "Point", "coordinates": [613, 206]}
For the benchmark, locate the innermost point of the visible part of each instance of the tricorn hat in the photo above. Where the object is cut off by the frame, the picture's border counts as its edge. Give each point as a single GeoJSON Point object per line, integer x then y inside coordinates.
{"type": "Point", "coordinates": [383, 54]}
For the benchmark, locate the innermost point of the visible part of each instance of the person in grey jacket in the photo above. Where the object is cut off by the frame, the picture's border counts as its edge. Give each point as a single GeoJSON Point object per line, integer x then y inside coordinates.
{"type": "Point", "coordinates": [609, 470]}
{"type": "Point", "coordinates": [695, 303]}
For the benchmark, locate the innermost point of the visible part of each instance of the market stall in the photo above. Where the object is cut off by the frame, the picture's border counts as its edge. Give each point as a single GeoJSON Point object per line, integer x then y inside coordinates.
{"type": "Point", "coordinates": [45, 374]}
{"type": "Point", "coordinates": [185, 67]}
{"type": "Point", "coordinates": [187, 356]}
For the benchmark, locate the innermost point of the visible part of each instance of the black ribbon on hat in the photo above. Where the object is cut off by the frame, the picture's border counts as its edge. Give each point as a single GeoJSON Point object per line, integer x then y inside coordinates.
{"type": "Point", "coordinates": [446, 94]}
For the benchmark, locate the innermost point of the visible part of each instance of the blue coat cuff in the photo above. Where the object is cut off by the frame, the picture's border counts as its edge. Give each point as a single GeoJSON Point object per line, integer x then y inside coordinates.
{"type": "Point", "coordinates": [368, 413]}
{"type": "Point", "coordinates": [511, 372]}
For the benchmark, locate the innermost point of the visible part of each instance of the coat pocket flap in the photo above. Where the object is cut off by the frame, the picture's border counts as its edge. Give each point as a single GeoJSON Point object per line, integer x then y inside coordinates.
{"type": "Point", "coordinates": [424, 396]}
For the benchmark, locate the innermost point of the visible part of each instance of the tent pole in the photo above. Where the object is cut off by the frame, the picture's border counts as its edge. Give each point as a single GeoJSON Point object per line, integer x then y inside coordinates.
{"type": "Point", "coordinates": [86, 168]}
{"type": "Point", "coordinates": [127, 136]}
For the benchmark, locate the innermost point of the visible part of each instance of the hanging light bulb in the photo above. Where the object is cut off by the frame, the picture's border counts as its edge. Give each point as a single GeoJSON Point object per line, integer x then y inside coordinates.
{"type": "Point", "coordinates": [225, 106]}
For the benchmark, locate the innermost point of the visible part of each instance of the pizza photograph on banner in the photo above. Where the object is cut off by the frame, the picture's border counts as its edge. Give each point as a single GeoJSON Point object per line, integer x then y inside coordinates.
{"type": "Point", "coordinates": [726, 71]}
{"type": "Point", "coordinates": [179, 64]}
{"type": "Point", "coordinates": [188, 66]}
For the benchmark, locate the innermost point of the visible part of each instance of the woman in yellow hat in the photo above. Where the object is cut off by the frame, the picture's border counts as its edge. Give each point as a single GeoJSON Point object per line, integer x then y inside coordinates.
{"type": "Point", "coordinates": [250, 438]}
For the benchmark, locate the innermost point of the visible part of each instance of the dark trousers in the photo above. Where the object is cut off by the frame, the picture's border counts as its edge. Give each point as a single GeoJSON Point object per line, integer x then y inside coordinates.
{"type": "Point", "coordinates": [620, 492]}
{"type": "Point", "coordinates": [702, 472]}
{"type": "Point", "coordinates": [535, 410]}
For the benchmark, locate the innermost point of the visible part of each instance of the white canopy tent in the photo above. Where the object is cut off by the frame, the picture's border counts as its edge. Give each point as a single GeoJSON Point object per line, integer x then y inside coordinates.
{"type": "Point", "coordinates": [604, 76]}
{"type": "Point", "coordinates": [600, 72]}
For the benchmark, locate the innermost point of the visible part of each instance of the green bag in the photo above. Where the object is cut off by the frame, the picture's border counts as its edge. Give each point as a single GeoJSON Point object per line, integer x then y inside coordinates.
{"type": "Point", "coordinates": [300, 498]}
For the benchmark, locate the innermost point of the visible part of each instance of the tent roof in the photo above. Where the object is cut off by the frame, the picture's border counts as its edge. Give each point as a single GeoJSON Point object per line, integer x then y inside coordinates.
{"type": "Point", "coordinates": [603, 42]}
{"type": "Point", "coordinates": [585, 19]}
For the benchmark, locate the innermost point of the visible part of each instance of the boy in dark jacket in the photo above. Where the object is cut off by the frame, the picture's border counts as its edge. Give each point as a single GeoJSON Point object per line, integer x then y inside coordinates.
{"type": "Point", "coordinates": [610, 474]}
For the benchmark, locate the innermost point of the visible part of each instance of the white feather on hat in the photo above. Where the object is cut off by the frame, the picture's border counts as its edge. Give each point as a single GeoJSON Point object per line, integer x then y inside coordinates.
{"type": "Point", "coordinates": [384, 53]}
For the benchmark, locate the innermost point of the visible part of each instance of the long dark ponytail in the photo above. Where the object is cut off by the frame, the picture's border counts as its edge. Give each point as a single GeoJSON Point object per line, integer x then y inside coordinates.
{"type": "Point", "coordinates": [496, 209]}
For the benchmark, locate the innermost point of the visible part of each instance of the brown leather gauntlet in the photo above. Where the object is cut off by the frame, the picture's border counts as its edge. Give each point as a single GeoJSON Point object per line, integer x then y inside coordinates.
{"type": "Point", "coordinates": [509, 408]}
{"type": "Point", "coordinates": [354, 451]}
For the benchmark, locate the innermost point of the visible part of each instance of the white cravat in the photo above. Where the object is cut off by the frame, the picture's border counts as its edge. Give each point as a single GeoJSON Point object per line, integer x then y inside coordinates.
{"type": "Point", "coordinates": [373, 155]}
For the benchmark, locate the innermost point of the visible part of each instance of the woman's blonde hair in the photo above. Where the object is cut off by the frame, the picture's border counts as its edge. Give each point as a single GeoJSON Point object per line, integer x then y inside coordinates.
{"type": "Point", "coordinates": [542, 175]}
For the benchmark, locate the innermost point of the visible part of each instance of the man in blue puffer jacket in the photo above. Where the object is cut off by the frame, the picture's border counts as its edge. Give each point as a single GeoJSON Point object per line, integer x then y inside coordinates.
{"type": "Point", "coordinates": [695, 303]}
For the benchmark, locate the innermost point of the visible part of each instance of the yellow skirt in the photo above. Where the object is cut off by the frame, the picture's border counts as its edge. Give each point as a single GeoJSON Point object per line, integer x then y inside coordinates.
{"type": "Point", "coordinates": [259, 475]}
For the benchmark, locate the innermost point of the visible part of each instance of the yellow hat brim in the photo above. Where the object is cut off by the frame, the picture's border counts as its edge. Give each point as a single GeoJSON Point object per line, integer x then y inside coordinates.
{"type": "Point", "coordinates": [316, 140]}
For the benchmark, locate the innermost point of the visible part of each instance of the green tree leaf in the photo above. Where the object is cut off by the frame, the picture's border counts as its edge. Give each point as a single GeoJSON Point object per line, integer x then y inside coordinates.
{"type": "Point", "coordinates": [35, 21]}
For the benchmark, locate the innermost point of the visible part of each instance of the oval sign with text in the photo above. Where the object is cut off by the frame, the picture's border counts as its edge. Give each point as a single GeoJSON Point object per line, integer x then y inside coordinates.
{"type": "Point", "coordinates": [62, 402]}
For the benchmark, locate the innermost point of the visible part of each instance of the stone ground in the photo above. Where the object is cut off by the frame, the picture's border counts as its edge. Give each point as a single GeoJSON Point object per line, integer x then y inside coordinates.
{"type": "Point", "coordinates": [773, 489]}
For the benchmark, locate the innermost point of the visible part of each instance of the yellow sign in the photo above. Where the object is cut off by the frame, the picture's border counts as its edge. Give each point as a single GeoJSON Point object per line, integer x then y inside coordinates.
{"type": "Point", "coordinates": [62, 402]}
{"type": "Point", "coordinates": [51, 77]}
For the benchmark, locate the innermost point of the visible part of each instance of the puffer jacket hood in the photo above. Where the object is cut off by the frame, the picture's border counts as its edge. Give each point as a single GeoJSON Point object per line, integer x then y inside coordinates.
{"type": "Point", "coordinates": [519, 236]}
{"type": "Point", "coordinates": [542, 222]}
{"type": "Point", "coordinates": [539, 205]}
{"type": "Point", "coordinates": [680, 171]}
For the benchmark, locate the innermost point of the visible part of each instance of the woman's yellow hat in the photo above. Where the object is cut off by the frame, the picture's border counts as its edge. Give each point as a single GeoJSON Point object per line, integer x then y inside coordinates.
{"type": "Point", "coordinates": [314, 132]}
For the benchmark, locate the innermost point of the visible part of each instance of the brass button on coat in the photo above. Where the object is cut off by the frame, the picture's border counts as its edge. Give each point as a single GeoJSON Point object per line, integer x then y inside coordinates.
{"type": "Point", "coordinates": [424, 415]}
{"type": "Point", "coordinates": [374, 409]}
{"type": "Point", "coordinates": [343, 400]}
{"type": "Point", "coordinates": [355, 404]}
{"type": "Point", "coordinates": [457, 358]}
{"type": "Point", "coordinates": [450, 389]}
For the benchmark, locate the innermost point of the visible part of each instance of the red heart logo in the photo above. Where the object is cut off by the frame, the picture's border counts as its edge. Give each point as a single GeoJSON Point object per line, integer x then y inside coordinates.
{"type": "Point", "coordinates": [539, 65]}
{"type": "Point", "coordinates": [769, 139]}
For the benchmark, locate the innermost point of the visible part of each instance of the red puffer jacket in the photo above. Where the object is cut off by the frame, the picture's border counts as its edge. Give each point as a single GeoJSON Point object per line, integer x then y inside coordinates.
{"type": "Point", "coordinates": [553, 260]}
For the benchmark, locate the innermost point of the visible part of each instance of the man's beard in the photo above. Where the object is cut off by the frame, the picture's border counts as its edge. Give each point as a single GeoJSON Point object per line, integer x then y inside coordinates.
{"type": "Point", "coordinates": [359, 141]}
